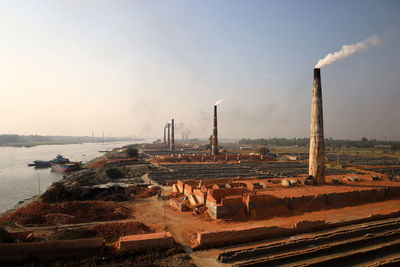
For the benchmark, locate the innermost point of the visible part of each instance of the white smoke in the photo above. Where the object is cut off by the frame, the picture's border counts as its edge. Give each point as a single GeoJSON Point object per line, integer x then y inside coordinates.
{"type": "Point", "coordinates": [348, 50]}
{"type": "Point", "coordinates": [219, 102]}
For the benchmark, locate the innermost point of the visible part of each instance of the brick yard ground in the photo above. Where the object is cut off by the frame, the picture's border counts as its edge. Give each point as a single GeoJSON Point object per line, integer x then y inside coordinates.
{"type": "Point", "coordinates": [183, 225]}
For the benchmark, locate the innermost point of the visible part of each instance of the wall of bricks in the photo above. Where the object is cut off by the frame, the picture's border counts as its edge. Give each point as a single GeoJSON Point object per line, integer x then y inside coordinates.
{"type": "Point", "coordinates": [52, 249]}
{"type": "Point", "coordinates": [145, 241]}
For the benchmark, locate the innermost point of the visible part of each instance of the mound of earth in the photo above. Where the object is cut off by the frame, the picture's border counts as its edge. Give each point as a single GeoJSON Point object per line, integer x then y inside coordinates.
{"type": "Point", "coordinates": [58, 192]}
{"type": "Point", "coordinates": [88, 177]}
{"type": "Point", "coordinates": [58, 218]}
{"type": "Point", "coordinates": [3, 234]}
{"type": "Point", "coordinates": [42, 213]}
{"type": "Point", "coordinates": [119, 229]}
{"type": "Point", "coordinates": [136, 192]}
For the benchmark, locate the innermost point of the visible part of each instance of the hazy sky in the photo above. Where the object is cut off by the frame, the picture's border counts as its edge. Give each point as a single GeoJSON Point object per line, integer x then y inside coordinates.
{"type": "Point", "coordinates": [127, 67]}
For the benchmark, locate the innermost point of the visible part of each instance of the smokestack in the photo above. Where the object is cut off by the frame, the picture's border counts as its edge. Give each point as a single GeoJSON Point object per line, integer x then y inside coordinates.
{"type": "Point", "coordinates": [316, 166]}
{"type": "Point", "coordinates": [165, 137]}
{"type": "Point", "coordinates": [169, 139]}
{"type": "Point", "coordinates": [172, 147]}
{"type": "Point", "coordinates": [214, 142]}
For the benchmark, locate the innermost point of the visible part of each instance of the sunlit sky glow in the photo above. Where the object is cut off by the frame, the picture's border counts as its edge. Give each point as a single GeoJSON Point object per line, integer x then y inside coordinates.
{"type": "Point", "coordinates": [126, 67]}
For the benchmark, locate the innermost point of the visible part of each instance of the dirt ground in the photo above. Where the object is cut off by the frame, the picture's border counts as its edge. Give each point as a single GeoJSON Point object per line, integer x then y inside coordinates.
{"type": "Point", "coordinates": [183, 224]}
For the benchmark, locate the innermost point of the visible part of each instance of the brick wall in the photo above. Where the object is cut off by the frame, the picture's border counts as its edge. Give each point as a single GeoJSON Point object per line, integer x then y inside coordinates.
{"type": "Point", "coordinates": [52, 249]}
{"type": "Point", "coordinates": [145, 241]}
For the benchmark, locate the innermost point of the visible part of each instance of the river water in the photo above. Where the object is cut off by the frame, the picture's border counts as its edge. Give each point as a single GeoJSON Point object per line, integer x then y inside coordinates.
{"type": "Point", "coordinates": [19, 182]}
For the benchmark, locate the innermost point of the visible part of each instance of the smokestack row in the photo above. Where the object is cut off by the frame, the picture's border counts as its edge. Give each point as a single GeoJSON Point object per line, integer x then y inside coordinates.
{"type": "Point", "coordinates": [214, 141]}
{"type": "Point", "coordinates": [316, 167]}
{"type": "Point", "coordinates": [170, 136]}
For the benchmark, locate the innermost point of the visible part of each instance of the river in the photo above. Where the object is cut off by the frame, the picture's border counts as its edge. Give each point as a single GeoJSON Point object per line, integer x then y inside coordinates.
{"type": "Point", "coordinates": [19, 182]}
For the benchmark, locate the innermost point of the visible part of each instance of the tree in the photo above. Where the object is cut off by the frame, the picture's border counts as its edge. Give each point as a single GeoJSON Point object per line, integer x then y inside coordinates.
{"type": "Point", "coordinates": [262, 150]}
{"type": "Point", "coordinates": [132, 152]}
{"type": "Point", "coordinates": [394, 147]}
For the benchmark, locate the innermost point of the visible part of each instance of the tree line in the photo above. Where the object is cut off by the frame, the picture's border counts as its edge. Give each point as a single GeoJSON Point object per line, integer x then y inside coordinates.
{"type": "Point", "coordinates": [330, 142]}
{"type": "Point", "coordinates": [26, 139]}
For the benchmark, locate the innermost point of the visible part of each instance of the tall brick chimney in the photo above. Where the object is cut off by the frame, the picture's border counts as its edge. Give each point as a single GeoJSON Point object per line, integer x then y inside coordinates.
{"type": "Point", "coordinates": [214, 141]}
{"type": "Point", "coordinates": [172, 147]}
{"type": "Point", "coordinates": [316, 165]}
{"type": "Point", "coordinates": [168, 136]}
{"type": "Point", "coordinates": [165, 135]}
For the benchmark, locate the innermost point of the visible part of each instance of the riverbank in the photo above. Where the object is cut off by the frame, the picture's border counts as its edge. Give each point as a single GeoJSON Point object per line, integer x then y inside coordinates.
{"type": "Point", "coordinates": [88, 203]}
{"type": "Point", "coordinates": [99, 170]}
{"type": "Point", "coordinates": [19, 182]}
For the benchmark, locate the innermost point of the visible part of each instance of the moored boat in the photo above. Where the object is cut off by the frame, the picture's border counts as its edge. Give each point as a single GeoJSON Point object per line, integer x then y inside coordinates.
{"type": "Point", "coordinates": [65, 167]}
{"type": "Point", "coordinates": [40, 164]}
{"type": "Point", "coordinates": [62, 164]}
{"type": "Point", "coordinates": [60, 160]}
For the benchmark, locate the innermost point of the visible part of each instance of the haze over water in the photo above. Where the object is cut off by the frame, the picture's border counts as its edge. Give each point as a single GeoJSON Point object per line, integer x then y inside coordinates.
{"type": "Point", "coordinates": [19, 182]}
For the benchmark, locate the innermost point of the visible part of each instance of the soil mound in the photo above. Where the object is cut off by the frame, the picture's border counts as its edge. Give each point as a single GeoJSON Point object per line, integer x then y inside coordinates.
{"type": "Point", "coordinates": [85, 211]}
{"type": "Point", "coordinates": [112, 163]}
{"type": "Point", "coordinates": [148, 192]}
{"type": "Point", "coordinates": [57, 192]}
{"type": "Point", "coordinates": [58, 218]}
{"type": "Point", "coordinates": [67, 212]}
{"type": "Point", "coordinates": [30, 214]}
{"type": "Point", "coordinates": [141, 192]}
{"type": "Point", "coordinates": [60, 193]}
{"type": "Point", "coordinates": [98, 164]}
{"type": "Point", "coordinates": [119, 229]}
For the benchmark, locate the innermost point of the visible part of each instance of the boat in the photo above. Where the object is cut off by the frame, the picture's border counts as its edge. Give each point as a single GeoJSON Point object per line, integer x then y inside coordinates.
{"type": "Point", "coordinates": [40, 164]}
{"type": "Point", "coordinates": [62, 164]}
{"type": "Point", "coordinates": [65, 167]}
{"type": "Point", "coordinates": [60, 160]}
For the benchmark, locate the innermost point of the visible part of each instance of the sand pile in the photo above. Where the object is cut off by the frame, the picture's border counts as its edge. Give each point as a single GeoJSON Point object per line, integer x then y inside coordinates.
{"type": "Point", "coordinates": [67, 212]}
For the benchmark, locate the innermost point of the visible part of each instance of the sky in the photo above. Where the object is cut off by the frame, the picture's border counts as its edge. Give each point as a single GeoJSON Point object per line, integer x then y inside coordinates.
{"type": "Point", "coordinates": [125, 68]}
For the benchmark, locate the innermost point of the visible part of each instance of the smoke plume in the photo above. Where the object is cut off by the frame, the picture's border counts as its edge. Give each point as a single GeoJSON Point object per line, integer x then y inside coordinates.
{"type": "Point", "coordinates": [219, 102]}
{"type": "Point", "coordinates": [348, 50]}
